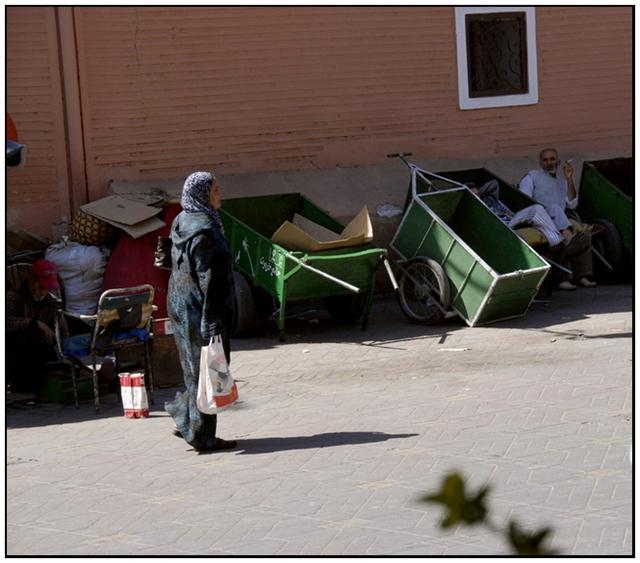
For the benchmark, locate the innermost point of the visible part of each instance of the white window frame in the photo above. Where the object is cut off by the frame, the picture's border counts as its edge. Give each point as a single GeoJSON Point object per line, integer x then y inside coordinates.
{"type": "Point", "coordinates": [530, 97]}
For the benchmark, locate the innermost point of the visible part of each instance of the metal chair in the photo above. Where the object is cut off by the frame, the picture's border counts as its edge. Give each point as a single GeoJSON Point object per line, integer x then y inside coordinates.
{"type": "Point", "coordinates": [122, 319]}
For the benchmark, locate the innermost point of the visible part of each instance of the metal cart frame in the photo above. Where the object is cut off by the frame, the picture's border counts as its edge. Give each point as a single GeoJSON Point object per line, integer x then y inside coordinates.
{"type": "Point", "coordinates": [457, 258]}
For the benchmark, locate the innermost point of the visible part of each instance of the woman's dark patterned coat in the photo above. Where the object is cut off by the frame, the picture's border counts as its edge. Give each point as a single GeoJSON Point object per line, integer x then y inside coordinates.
{"type": "Point", "coordinates": [200, 305]}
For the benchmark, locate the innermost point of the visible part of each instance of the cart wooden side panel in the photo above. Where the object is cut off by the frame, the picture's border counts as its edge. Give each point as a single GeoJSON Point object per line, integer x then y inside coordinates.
{"type": "Point", "coordinates": [606, 191]}
{"type": "Point", "coordinates": [355, 266]}
{"type": "Point", "coordinates": [255, 256]}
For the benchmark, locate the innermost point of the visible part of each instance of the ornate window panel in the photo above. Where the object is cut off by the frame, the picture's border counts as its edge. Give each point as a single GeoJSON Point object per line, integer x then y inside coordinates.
{"type": "Point", "coordinates": [497, 63]}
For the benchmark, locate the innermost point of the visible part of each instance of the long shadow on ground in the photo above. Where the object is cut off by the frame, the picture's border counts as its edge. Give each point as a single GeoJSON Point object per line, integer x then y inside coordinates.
{"type": "Point", "coordinates": [325, 440]}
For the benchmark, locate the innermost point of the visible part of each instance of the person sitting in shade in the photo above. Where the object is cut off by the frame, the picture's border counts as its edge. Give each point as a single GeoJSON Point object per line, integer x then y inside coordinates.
{"type": "Point", "coordinates": [30, 322]}
{"type": "Point", "coordinates": [557, 193]}
{"type": "Point", "coordinates": [534, 215]}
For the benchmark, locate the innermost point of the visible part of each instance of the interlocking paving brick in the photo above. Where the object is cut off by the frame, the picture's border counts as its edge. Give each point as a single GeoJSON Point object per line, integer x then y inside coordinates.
{"type": "Point", "coordinates": [341, 432]}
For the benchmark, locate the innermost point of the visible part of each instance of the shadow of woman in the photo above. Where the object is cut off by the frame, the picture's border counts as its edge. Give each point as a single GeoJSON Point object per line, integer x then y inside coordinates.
{"type": "Point", "coordinates": [328, 439]}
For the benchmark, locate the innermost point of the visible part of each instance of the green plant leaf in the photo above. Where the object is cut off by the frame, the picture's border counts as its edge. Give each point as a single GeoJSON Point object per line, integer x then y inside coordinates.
{"type": "Point", "coordinates": [475, 509]}
{"type": "Point", "coordinates": [460, 509]}
{"type": "Point", "coordinates": [528, 544]}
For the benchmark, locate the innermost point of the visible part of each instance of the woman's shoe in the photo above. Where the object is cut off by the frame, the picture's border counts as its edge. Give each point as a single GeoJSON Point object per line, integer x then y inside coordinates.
{"type": "Point", "coordinates": [224, 444]}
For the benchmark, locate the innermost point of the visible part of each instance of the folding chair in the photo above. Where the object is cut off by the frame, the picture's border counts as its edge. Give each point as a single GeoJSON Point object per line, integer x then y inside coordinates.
{"type": "Point", "coordinates": [122, 319]}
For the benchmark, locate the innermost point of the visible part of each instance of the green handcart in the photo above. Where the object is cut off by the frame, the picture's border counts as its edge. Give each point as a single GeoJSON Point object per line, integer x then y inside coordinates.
{"type": "Point", "coordinates": [514, 200]}
{"type": "Point", "coordinates": [457, 258]}
{"type": "Point", "coordinates": [596, 192]}
{"type": "Point", "coordinates": [606, 199]}
{"type": "Point", "coordinates": [343, 277]}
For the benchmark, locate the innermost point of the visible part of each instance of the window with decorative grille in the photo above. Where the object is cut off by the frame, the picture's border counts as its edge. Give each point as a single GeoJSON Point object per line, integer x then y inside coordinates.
{"type": "Point", "coordinates": [496, 54]}
{"type": "Point", "coordinates": [496, 57]}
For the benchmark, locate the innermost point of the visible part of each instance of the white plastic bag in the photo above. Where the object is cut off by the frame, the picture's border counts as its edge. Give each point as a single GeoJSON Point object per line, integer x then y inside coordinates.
{"type": "Point", "coordinates": [216, 387]}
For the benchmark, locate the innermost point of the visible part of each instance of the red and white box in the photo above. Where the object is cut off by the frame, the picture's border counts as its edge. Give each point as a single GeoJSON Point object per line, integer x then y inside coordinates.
{"type": "Point", "coordinates": [134, 395]}
{"type": "Point", "coordinates": [162, 327]}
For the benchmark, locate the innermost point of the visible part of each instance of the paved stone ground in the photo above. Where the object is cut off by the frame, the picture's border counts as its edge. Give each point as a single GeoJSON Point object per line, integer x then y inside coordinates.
{"type": "Point", "coordinates": [341, 431]}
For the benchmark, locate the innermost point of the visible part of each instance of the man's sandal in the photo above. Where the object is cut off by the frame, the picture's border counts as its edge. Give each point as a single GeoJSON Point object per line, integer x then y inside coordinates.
{"type": "Point", "coordinates": [586, 282]}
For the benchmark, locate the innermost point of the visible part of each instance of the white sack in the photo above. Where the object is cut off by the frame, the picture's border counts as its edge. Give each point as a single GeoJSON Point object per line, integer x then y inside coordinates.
{"type": "Point", "coordinates": [81, 270]}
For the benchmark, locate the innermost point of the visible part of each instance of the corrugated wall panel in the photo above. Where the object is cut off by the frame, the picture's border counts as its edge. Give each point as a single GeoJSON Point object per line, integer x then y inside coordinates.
{"type": "Point", "coordinates": [586, 79]}
{"type": "Point", "coordinates": [167, 90]}
{"type": "Point", "coordinates": [292, 88]}
{"type": "Point", "coordinates": [37, 194]}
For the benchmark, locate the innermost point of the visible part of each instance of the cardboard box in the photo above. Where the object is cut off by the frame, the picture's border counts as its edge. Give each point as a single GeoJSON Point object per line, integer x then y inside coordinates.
{"type": "Point", "coordinates": [303, 238]}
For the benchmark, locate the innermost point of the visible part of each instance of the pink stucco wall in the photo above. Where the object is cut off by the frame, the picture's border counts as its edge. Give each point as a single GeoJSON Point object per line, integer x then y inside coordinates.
{"type": "Point", "coordinates": [154, 92]}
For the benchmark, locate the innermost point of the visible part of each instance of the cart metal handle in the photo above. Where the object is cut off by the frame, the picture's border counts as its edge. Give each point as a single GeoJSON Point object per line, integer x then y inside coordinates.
{"type": "Point", "coordinates": [401, 156]}
{"type": "Point", "coordinates": [324, 274]}
{"type": "Point", "coordinates": [414, 169]}
{"type": "Point", "coordinates": [556, 265]}
{"type": "Point", "coordinates": [392, 278]}
{"type": "Point", "coordinates": [603, 259]}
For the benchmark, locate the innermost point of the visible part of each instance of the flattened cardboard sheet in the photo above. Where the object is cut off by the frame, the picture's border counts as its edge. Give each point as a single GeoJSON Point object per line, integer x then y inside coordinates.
{"type": "Point", "coordinates": [292, 237]}
{"type": "Point", "coordinates": [133, 217]}
{"type": "Point", "coordinates": [318, 232]}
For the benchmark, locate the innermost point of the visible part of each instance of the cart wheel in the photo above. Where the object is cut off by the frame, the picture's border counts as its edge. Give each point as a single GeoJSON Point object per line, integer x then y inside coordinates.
{"type": "Point", "coordinates": [245, 312]}
{"type": "Point", "coordinates": [609, 244]}
{"type": "Point", "coordinates": [264, 303]}
{"type": "Point", "coordinates": [423, 291]}
{"type": "Point", "coordinates": [346, 308]}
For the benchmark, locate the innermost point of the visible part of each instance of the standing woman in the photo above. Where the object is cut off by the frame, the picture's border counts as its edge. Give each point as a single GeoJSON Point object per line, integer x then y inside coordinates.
{"type": "Point", "coordinates": [200, 301]}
